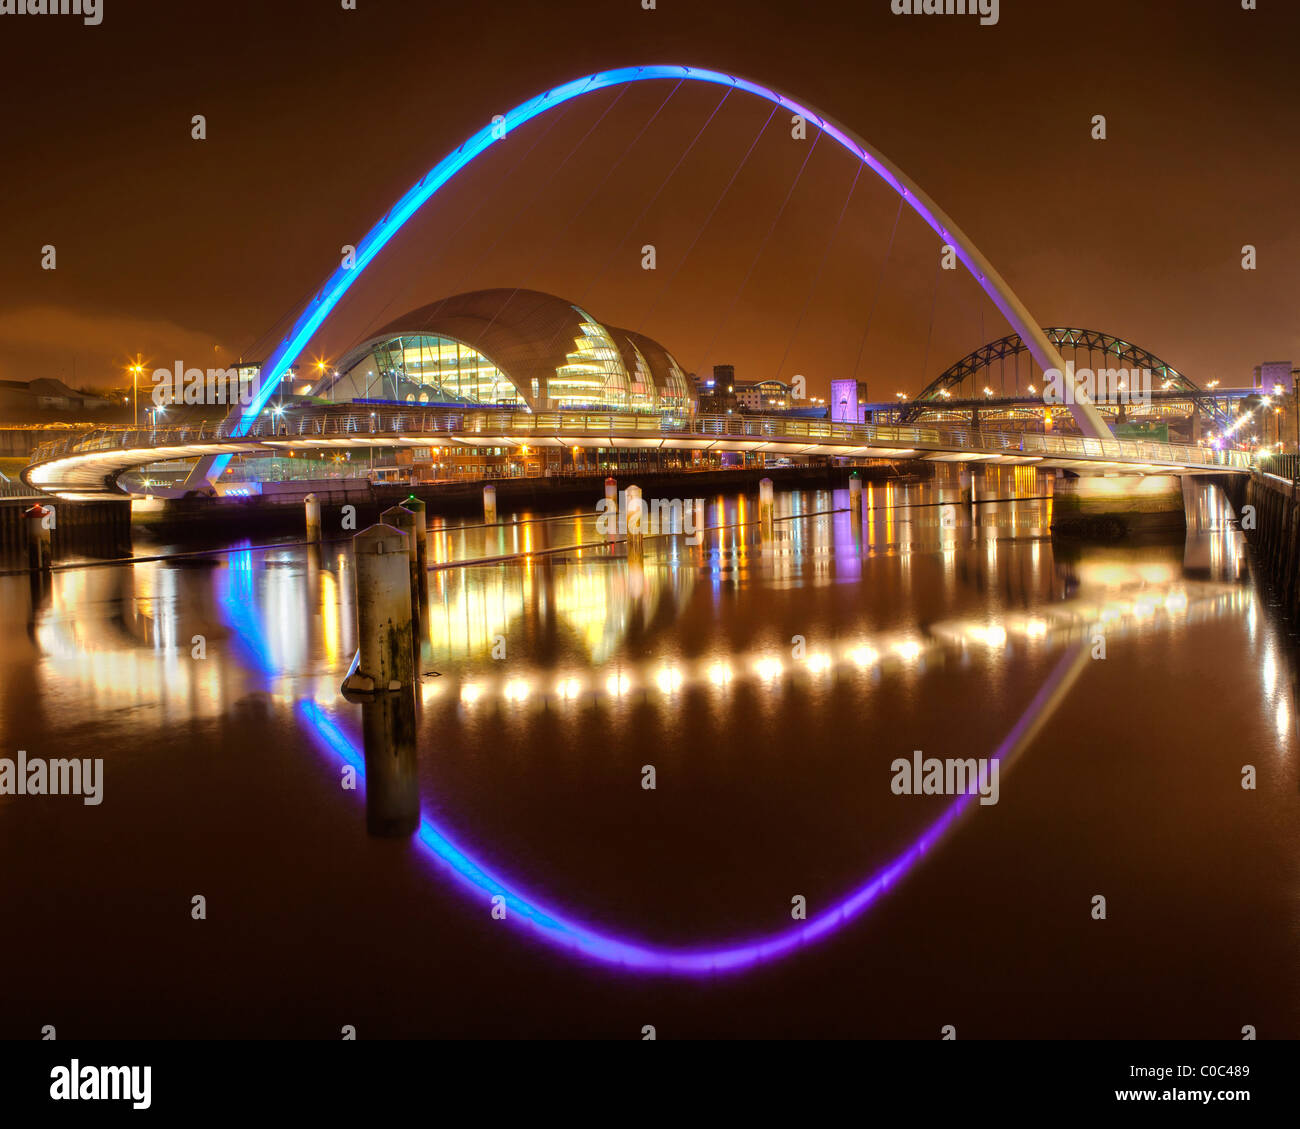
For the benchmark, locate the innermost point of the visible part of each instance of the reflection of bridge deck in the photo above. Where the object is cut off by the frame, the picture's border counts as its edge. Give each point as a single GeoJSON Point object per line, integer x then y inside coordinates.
{"type": "Point", "coordinates": [91, 463]}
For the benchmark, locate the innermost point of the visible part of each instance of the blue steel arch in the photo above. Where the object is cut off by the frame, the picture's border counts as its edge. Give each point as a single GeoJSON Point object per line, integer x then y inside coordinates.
{"type": "Point", "coordinates": [338, 284]}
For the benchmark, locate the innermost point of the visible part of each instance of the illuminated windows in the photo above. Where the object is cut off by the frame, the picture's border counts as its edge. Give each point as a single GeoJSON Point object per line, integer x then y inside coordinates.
{"type": "Point", "coordinates": [592, 375]}
{"type": "Point", "coordinates": [515, 349]}
{"type": "Point", "coordinates": [426, 369]}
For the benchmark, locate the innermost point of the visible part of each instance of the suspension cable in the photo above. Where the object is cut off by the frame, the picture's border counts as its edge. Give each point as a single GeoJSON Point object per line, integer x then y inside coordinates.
{"type": "Point", "coordinates": [761, 247]}
{"type": "Point", "coordinates": [498, 188]}
{"type": "Point", "coordinates": [649, 204]}
{"type": "Point", "coordinates": [880, 282]}
{"type": "Point", "coordinates": [713, 211]}
{"type": "Point", "coordinates": [584, 205]}
{"type": "Point", "coordinates": [820, 268]}
{"type": "Point", "coordinates": [934, 306]}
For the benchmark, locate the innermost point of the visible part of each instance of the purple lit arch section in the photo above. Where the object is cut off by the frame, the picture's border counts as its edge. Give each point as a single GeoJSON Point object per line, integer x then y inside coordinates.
{"type": "Point", "coordinates": [565, 932]}
{"type": "Point", "coordinates": [338, 284]}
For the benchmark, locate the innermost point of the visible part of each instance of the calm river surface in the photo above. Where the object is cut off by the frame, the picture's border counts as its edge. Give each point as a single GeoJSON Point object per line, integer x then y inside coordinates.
{"type": "Point", "coordinates": [769, 686]}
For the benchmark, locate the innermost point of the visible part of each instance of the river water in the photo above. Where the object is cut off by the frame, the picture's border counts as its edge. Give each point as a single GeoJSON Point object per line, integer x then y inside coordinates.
{"type": "Point", "coordinates": [772, 882]}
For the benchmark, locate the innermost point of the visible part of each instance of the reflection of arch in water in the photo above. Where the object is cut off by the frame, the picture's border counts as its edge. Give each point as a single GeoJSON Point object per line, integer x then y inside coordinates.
{"type": "Point", "coordinates": [576, 937]}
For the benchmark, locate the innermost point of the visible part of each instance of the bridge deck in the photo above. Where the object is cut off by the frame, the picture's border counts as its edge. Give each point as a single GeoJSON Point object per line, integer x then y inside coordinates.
{"type": "Point", "coordinates": [90, 463]}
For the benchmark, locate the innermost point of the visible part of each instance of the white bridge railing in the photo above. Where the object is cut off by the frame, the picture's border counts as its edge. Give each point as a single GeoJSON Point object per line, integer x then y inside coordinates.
{"type": "Point", "coordinates": [336, 423]}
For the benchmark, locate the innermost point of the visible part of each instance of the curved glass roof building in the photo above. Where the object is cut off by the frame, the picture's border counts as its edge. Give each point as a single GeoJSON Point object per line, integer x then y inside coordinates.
{"type": "Point", "coordinates": [516, 349]}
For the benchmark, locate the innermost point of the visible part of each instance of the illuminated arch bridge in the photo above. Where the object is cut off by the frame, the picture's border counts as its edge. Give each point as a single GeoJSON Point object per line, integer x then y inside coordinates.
{"type": "Point", "coordinates": [90, 464]}
{"type": "Point", "coordinates": [516, 349]}
{"type": "Point", "coordinates": [1102, 350]}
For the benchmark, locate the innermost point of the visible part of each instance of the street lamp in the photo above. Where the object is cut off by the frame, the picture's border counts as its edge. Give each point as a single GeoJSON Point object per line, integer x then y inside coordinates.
{"type": "Point", "coordinates": [135, 394]}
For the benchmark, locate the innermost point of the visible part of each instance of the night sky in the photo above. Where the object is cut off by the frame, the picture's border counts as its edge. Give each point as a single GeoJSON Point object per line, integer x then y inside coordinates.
{"type": "Point", "coordinates": [319, 118]}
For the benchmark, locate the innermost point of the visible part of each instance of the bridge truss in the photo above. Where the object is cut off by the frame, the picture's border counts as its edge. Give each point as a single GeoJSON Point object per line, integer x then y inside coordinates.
{"type": "Point", "coordinates": [1115, 353]}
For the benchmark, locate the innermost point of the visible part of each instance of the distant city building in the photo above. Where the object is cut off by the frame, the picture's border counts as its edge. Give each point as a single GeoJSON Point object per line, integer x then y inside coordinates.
{"type": "Point", "coordinates": [292, 383]}
{"type": "Point", "coordinates": [48, 395]}
{"type": "Point", "coordinates": [723, 393]}
{"type": "Point", "coordinates": [517, 349]}
{"type": "Point", "coordinates": [1271, 374]}
{"type": "Point", "coordinates": [718, 392]}
{"type": "Point", "coordinates": [848, 401]}
{"type": "Point", "coordinates": [763, 396]}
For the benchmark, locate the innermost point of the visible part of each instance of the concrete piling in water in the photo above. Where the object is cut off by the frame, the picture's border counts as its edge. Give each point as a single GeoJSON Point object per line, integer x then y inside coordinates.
{"type": "Point", "coordinates": [418, 508]}
{"type": "Point", "coordinates": [399, 517]}
{"type": "Point", "coordinates": [635, 522]}
{"type": "Point", "coordinates": [766, 509]}
{"type": "Point", "coordinates": [385, 627]}
{"type": "Point", "coordinates": [855, 496]}
{"type": "Point", "coordinates": [311, 508]}
{"type": "Point", "coordinates": [39, 555]}
{"type": "Point", "coordinates": [388, 726]}
{"type": "Point", "coordinates": [611, 503]}
{"type": "Point", "coordinates": [966, 483]}
{"type": "Point", "coordinates": [696, 522]}
{"type": "Point", "coordinates": [490, 504]}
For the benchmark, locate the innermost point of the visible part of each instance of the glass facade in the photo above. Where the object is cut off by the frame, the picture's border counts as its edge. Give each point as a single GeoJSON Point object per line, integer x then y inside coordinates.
{"type": "Point", "coordinates": [424, 368]}
{"type": "Point", "coordinates": [531, 352]}
{"type": "Point", "coordinates": [593, 375]}
{"type": "Point", "coordinates": [677, 394]}
{"type": "Point", "coordinates": [643, 396]}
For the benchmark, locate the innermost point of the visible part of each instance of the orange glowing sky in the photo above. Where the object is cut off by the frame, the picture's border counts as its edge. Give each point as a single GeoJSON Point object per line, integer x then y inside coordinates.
{"type": "Point", "coordinates": [318, 119]}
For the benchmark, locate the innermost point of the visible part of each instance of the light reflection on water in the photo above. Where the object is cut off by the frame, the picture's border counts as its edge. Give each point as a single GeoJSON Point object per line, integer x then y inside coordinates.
{"type": "Point", "coordinates": [289, 613]}
{"type": "Point", "coordinates": [693, 648]}
{"type": "Point", "coordinates": [581, 623]}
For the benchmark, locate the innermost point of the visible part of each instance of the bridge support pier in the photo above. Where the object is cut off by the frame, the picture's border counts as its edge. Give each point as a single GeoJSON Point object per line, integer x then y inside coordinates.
{"type": "Point", "coordinates": [1114, 507]}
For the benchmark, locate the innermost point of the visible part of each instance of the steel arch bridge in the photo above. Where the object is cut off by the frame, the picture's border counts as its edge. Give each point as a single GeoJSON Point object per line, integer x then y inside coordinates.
{"type": "Point", "coordinates": [1114, 351]}
{"type": "Point", "coordinates": [313, 315]}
